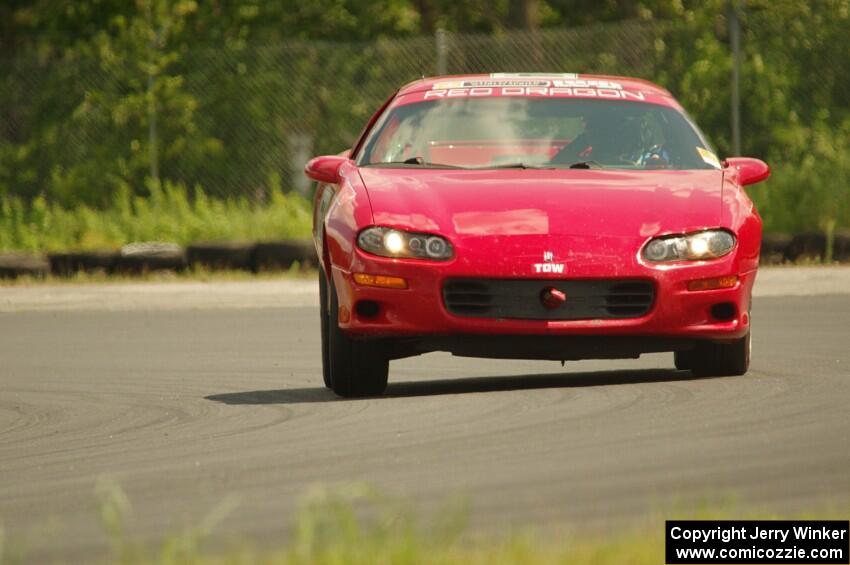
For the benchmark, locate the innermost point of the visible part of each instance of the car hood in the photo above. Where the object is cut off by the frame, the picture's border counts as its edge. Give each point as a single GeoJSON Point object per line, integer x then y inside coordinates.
{"type": "Point", "coordinates": [524, 202]}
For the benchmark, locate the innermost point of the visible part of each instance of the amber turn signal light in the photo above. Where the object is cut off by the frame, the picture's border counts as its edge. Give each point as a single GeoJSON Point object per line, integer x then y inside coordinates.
{"type": "Point", "coordinates": [712, 284]}
{"type": "Point", "coordinates": [384, 281]}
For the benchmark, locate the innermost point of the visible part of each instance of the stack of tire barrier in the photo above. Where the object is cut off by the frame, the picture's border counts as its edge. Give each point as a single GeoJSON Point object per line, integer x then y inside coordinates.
{"type": "Point", "coordinates": [13, 265]}
{"type": "Point", "coordinates": [146, 257]}
{"type": "Point", "coordinates": [66, 264]}
{"type": "Point", "coordinates": [264, 256]}
{"type": "Point", "coordinates": [224, 256]}
{"type": "Point", "coordinates": [807, 247]}
{"type": "Point", "coordinates": [272, 256]}
{"type": "Point", "coordinates": [281, 255]}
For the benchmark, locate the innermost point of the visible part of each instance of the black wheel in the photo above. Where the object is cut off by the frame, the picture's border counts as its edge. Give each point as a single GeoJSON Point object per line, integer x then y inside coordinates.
{"type": "Point", "coordinates": [721, 359]}
{"type": "Point", "coordinates": [356, 367]}
{"type": "Point", "coordinates": [324, 308]}
{"type": "Point", "coordinates": [683, 360]}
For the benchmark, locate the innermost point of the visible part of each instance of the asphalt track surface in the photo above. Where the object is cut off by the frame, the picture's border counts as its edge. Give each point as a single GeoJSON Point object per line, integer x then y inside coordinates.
{"type": "Point", "coordinates": [188, 408]}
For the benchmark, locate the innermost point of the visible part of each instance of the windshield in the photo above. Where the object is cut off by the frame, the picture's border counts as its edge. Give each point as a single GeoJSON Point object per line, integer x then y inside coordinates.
{"type": "Point", "coordinates": [535, 132]}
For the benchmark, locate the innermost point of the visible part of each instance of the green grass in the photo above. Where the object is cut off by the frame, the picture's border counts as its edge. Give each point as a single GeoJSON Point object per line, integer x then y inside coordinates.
{"type": "Point", "coordinates": [357, 525]}
{"type": "Point", "coordinates": [792, 201]}
{"type": "Point", "coordinates": [171, 213]}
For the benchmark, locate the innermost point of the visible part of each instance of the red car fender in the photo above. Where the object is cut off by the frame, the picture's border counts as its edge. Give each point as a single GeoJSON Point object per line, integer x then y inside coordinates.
{"type": "Point", "coordinates": [740, 215]}
{"type": "Point", "coordinates": [348, 212]}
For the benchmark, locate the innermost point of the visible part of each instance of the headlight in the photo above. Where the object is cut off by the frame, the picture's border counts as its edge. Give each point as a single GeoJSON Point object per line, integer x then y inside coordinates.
{"type": "Point", "coordinates": [389, 242]}
{"type": "Point", "coordinates": [698, 246]}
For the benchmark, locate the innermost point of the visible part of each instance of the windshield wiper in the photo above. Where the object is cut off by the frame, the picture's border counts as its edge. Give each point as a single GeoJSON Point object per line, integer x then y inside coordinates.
{"type": "Point", "coordinates": [414, 162]}
{"type": "Point", "coordinates": [585, 165]}
{"type": "Point", "coordinates": [519, 165]}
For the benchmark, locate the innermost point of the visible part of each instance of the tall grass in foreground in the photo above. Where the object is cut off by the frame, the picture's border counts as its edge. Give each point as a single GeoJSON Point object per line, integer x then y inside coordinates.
{"type": "Point", "coordinates": [357, 525]}
{"type": "Point", "coordinates": [171, 213]}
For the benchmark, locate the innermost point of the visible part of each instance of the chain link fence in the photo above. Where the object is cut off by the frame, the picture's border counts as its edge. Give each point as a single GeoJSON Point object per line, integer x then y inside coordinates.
{"type": "Point", "coordinates": [242, 119]}
{"type": "Point", "coordinates": [239, 120]}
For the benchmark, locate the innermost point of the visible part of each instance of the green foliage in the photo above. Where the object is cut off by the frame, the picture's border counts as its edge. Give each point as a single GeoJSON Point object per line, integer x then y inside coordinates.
{"type": "Point", "coordinates": [812, 191]}
{"type": "Point", "coordinates": [357, 525]}
{"type": "Point", "coordinates": [170, 213]}
{"type": "Point", "coordinates": [99, 97]}
{"type": "Point", "coordinates": [794, 77]}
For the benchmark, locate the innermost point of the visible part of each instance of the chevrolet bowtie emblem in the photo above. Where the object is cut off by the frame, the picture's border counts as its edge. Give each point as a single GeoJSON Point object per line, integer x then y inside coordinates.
{"type": "Point", "coordinates": [547, 266]}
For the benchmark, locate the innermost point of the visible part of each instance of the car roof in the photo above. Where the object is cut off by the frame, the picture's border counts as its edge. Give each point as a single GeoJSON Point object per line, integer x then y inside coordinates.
{"type": "Point", "coordinates": [629, 83]}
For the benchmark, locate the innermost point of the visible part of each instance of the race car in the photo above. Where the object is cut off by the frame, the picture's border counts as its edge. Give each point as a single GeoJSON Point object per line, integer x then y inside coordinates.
{"type": "Point", "coordinates": [533, 216]}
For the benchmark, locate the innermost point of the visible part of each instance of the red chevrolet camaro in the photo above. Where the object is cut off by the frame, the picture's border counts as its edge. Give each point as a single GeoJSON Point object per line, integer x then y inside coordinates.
{"type": "Point", "coordinates": [530, 216]}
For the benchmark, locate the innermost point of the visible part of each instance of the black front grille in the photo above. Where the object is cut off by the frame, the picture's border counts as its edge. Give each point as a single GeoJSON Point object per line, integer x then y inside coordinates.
{"type": "Point", "coordinates": [588, 299]}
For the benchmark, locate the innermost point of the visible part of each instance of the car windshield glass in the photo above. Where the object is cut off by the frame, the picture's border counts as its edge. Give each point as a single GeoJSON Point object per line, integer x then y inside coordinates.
{"type": "Point", "coordinates": [522, 132]}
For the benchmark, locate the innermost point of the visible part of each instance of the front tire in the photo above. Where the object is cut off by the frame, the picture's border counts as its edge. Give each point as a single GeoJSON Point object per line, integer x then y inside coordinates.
{"type": "Point", "coordinates": [355, 367]}
{"type": "Point", "coordinates": [709, 359]}
{"type": "Point", "coordinates": [324, 309]}
{"type": "Point", "coordinates": [683, 359]}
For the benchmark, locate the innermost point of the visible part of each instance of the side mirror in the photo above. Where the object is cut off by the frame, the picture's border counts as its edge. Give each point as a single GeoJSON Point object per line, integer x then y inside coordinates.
{"type": "Point", "coordinates": [749, 170]}
{"type": "Point", "coordinates": [325, 169]}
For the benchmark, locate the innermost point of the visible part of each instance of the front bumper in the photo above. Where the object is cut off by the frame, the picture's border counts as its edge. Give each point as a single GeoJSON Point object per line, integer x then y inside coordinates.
{"type": "Point", "coordinates": [419, 310]}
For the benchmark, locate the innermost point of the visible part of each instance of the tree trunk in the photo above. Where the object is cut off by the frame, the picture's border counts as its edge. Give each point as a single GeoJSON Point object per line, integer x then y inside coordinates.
{"type": "Point", "coordinates": [524, 14]}
{"type": "Point", "coordinates": [427, 16]}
